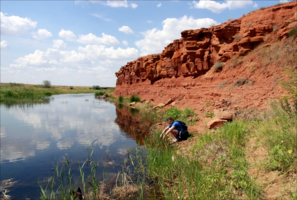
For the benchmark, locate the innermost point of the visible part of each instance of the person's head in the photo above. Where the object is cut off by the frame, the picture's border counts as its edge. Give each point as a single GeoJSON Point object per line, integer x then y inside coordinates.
{"type": "Point", "coordinates": [170, 120]}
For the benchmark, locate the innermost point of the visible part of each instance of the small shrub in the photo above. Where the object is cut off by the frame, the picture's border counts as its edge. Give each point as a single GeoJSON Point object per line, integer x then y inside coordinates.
{"type": "Point", "coordinates": [134, 98]}
{"type": "Point", "coordinates": [71, 87]}
{"type": "Point", "coordinates": [249, 24]}
{"type": "Point", "coordinates": [8, 94]}
{"type": "Point", "coordinates": [207, 104]}
{"type": "Point", "coordinates": [120, 99]}
{"type": "Point", "coordinates": [222, 84]}
{"type": "Point", "coordinates": [274, 28]}
{"type": "Point", "coordinates": [96, 87]}
{"type": "Point", "coordinates": [242, 81]}
{"type": "Point", "coordinates": [173, 112]}
{"type": "Point", "coordinates": [230, 19]}
{"type": "Point", "coordinates": [188, 112]}
{"type": "Point", "coordinates": [209, 114]}
{"type": "Point", "coordinates": [218, 66]}
{"type": "Point", "coordinates": [48, 94]}
{"type": "Point", "coordinates": [235, 62]}
{"type": "Point", "coordinates": [99, 93]}
{"type": "Point", "coordinates": [46, 84]}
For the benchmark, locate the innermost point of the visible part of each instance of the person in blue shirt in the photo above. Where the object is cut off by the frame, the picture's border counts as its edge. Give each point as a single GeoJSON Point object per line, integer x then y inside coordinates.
{"type": "Point", "coordinates": [175, 128]}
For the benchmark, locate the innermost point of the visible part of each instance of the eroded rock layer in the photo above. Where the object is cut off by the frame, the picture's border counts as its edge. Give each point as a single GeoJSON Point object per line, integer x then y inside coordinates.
{"type": "Point", "coordinates": [198, 50]}
{"type": "Point", "coordinates": [247, 79]}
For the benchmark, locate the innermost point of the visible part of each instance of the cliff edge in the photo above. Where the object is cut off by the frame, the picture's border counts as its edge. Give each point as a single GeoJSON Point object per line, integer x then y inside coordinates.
{"type": "Point", "coordinates": [223, 64]}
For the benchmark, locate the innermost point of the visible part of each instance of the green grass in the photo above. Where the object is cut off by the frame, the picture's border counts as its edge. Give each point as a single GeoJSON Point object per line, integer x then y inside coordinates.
{"type": "Point", "coordinates": [100, 93]}
{"type": "Point", "coordinates": [209, 114]}
{"type": "Point", "coordinates": [23, 93]}
{"type": "Point", "coordinates": [187, 115]}
{"type": "Point", "coordinates": [203, 172]}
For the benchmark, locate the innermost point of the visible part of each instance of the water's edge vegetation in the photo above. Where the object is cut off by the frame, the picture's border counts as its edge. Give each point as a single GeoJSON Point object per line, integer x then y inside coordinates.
{"type": "Point", "coordinates": [24, 93]}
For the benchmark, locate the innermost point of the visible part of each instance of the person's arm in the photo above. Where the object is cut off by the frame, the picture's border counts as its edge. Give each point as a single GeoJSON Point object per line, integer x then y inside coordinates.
{"type": "Point", "coordinates": [165, 129]}
{"type": "Point", "coordinates": [169, 130]}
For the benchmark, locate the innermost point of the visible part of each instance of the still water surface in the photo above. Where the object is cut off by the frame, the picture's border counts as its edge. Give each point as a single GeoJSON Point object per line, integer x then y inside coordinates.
{"type": "Point", "coordinates": [33, 136]}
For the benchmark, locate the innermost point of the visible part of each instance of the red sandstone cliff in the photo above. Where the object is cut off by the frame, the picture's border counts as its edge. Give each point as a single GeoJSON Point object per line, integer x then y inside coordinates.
{"type": "Point", "coordinates": [182, 71]}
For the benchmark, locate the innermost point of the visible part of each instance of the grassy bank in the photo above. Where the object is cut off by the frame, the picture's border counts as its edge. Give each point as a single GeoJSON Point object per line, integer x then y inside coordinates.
{"type": "Point", "coordinates": [24, 93]}
{"type": "Point", "coordinates": [218, 164]}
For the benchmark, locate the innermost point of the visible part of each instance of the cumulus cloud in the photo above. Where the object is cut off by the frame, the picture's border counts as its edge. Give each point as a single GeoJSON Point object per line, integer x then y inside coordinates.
{"type": "Point", "coordinates": [50, 58]}
{"type": "Point", "coordinates": [134, 5]}
{"type": "Point", "coordinates": [159, 5]}
{"type": "Point", "coordinates": [125, 42]}
{"type": "Point", "coordinates": [41, 34]}
{"type": "Point", "coordinates": [4, 45]}
{"type": "Point", "coordinates": [101, 52]}
{"type": "Point", "coordinates": [58, 44]}
{"type": "Point", "coordinates": [84, 57]}
{"type": "Point", "coordinates": [149, 21]}
{"type": "Point", "coordinates": [93, 39]}
{"type": "Point", "coordinates": [155, 40]}
{"type": "Point", "coordinates": [218, 7]}
{"type": "Point", "coordinates": [68, 35]}
{"type": "Point", "coordinates": [15, 25]}
{"type": "Point", "coordinates": [126, 29]}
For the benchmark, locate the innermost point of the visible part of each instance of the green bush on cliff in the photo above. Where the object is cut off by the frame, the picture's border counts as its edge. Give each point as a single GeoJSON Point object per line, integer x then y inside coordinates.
{"type": "Point", "coordinates": [134, 98]}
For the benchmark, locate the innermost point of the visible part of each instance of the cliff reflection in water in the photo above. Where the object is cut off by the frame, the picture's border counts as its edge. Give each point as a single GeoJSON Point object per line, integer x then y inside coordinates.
{"type": "Point", "coordinates": [132, 123]}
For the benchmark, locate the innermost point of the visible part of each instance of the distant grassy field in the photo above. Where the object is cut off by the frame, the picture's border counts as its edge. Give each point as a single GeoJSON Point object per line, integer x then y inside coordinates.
{"type": "Point", "coordinates": [22, 93]}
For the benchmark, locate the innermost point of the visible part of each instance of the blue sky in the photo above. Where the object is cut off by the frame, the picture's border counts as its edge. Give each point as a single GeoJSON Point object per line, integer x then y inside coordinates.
{"type": "Point", "coordinates": [86, 42]}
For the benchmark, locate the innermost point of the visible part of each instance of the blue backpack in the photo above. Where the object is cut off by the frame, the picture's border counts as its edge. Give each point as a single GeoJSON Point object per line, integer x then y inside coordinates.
{"type": "Point", "coordinates": [184, 132]}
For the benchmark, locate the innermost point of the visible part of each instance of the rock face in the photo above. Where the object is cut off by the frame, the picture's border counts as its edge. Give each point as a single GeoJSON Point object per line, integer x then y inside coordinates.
{"type": "Point", "coordinates": [198, 50]}
{"type": "Point", "coordinates": [181, 73]}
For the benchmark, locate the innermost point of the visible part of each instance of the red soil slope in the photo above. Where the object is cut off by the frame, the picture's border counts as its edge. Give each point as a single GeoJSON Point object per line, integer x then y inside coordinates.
{"type": "Point", "coordinates": [254, 50]}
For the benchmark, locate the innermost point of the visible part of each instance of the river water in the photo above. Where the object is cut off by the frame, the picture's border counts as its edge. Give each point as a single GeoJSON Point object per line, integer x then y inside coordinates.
{"type": "Point", "coordinates": [33, 137]}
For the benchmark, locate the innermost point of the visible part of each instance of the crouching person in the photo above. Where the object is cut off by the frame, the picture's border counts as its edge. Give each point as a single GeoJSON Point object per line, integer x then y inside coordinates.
{"type": "Point", "coordinates": [177, 128]}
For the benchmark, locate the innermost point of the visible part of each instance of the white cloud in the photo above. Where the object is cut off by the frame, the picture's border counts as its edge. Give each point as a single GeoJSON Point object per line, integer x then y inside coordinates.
{"type": "Point", "coordinates": [101, 17]}
{"type": "Point", "coordinates": [84, 57]}
{"type": "Point", "coordinates": [93, 39]}
{"type": "Point", "coordinates": [149, 21]}
{"type": "Point", "coordinates": [50, 58]}
{"type": "Point", "coordinates": [159, 5]}
{"type": "Point", "coordinates": [155, 40]}
{"type": "Point", "coordinates": [218, 7]}
{"type": "Point", "coordinates": [255, 5]}
{"type": "Point", "coordinates": [4, 45]}
{"type": "Point", "coordinates": [134, 5]}
{"type": "Point", "coordinates": [284, 1]}
{"type": "Point", "coordinates": [117, 3]}
{"type": "Point", "coordinates": [15, 25]}
{"type": "Point", "coordinates": [58, 44]}
{"type": "Point", "coordinates": [126, 29]}
{"type": "Point", "coordinates": [41, 34]}
{"type": "Point", "coordinates": [101, 52]}
{"type": "Point", "coordinates": [68, 35]}
{"type": "Point", "coordinates": [125, 42]}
